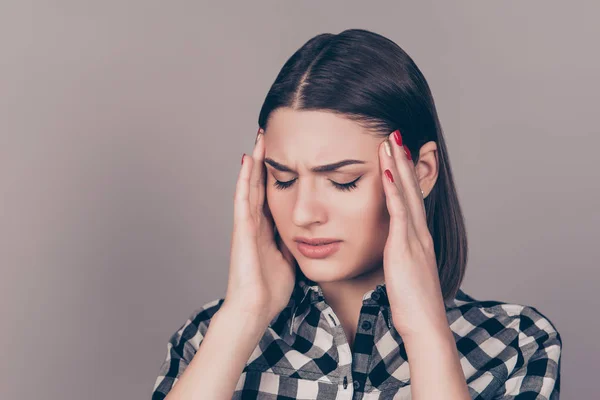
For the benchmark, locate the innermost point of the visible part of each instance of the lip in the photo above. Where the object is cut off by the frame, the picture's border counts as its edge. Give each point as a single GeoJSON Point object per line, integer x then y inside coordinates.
{"type": "Point", "coordinates": [318, 251]}
{"type": "Point", "coordinates": [315, 241]}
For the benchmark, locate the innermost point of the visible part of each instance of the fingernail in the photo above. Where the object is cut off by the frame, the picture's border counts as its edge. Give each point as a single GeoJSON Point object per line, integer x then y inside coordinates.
{"type": "Point", "coordinates": [388, 149]}
{"type": "Point", "coordinates": [398, 137]}
{"type": "Point", "coordinates": [243, 157]}
{"type": "Point", "coordinates": [389, 175]}
{"type": "Point", "coordinates": [258, 137]}
{"type": "Point", "coordinates": [407, 152]}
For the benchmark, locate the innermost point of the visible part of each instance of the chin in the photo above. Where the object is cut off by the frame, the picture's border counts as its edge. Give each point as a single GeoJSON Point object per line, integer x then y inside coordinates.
{"type": "Point", "coordinates": [324, 270]}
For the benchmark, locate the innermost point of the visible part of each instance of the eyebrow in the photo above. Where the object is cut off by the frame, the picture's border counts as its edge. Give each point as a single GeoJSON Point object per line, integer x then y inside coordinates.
{"type": "Point", "coordinates": [317, 169]}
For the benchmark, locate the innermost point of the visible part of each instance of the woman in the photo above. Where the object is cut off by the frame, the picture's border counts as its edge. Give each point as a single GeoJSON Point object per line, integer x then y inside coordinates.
{"type": "Point", "coordinates": [348, 252]}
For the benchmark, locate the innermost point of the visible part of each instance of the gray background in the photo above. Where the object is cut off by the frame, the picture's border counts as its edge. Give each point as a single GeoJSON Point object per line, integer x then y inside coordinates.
{"type": "Point", "coordinates": [122, 125]}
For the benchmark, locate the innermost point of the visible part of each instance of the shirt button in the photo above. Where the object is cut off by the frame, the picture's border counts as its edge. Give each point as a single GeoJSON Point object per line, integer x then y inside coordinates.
{"type": "Point", "coordinates": [356, 385]}
{"type": "Point", "coordinates": [366, 325]}
{"type": "Point", "coordinates": [375, 296]}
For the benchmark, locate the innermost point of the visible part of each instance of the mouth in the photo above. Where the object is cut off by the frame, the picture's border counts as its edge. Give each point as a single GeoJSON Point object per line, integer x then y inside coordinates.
{"type": "Point", "coordinates": [316, 241]}
{"type": "Point", "coordinates": [318, 251]}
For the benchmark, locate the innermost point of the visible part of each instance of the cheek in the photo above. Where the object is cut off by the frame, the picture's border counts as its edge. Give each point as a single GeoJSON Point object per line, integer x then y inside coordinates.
{"type": "Point", "coordinates": [370, 201]}
{"type": "Point", "coordinates": [372, 224]}
{"type": "Point", "coordinates": [277, 203]}
{"type": "Point", "coordinates": [379, 203]}
{"type": "Point", "coordinates": [363, 212]}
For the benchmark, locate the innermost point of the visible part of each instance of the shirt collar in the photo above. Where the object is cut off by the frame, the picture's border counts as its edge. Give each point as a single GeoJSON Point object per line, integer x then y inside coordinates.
{"type": "Point", "coordinates": [307, 292]}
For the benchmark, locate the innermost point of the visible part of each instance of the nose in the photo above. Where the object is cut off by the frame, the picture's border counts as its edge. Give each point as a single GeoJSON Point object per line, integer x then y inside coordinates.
{"type": "Point", "coordinates": [309, 207]}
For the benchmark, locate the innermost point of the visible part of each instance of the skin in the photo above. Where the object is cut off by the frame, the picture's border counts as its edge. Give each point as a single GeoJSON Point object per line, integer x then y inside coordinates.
{"type": "Point", "coordinates": [382, 223]}
{"type": "Point", "coordinates": [313, 207]}
{"type": "Point", "coordinates": [385, 239]}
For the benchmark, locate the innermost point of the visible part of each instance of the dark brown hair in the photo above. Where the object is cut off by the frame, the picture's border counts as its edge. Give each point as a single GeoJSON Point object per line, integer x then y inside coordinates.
{"type": "Point", "coordinates": [369, 79]}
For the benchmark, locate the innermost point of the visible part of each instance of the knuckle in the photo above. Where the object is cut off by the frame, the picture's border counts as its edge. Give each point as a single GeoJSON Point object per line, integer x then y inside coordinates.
{"type": "Point", "coordinates": [400, 214]}
{"type": "Point", "coordinates": [400, 208]}
{"type": "Point", "coordinates": [397, 195]}
{"type": "Point", "coordinates": [242, 215]}
{"type": "Point", "coordinates": [238, 198]}
{"type": "Point", "coordinates": [428, 243]}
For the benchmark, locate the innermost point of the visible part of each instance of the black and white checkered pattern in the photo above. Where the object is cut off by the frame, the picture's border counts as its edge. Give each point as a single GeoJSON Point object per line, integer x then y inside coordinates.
{"type": "Point", "coordinates": [507, 351]}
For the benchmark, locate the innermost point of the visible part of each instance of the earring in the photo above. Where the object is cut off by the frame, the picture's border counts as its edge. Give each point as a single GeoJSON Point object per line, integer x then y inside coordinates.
{"type": "Point", "coordinates": [422, 194]}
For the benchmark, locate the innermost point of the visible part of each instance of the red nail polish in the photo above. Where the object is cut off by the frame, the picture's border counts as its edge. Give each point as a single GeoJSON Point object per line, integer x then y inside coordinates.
{"type": "Point", "coordinates": [407, 152]}
{"type": "Point", "coordinates": [243, 157]}
{"type": "Point", "coordinates": [398, 137]}
{"type": "Point", "coordinates": [389, 175]}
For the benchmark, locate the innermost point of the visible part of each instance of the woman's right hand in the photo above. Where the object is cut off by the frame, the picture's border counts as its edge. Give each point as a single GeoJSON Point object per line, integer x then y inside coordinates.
{"type": "Point", "coordinates": [261, 276]}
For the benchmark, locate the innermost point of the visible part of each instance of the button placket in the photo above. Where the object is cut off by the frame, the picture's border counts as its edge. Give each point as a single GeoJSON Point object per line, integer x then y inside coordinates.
{"type": "Point", "coordinates": [366, 325]}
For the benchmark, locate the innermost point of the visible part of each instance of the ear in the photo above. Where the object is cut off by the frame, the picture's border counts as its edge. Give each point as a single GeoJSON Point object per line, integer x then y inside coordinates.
{"type": "Point", "coordinates": [427, 167]}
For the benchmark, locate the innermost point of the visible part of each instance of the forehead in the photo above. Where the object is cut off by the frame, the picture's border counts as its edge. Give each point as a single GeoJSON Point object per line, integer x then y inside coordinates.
{"type": "Point", "coordinates": [317, 137]}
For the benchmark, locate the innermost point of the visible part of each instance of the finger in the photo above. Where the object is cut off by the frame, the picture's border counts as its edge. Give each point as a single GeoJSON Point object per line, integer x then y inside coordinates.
{"type": "Point", "coordinates": [270, 225]}
{"type": "Point", "coordinates": [257, 185]}
{"type": "Point", "coordinates": [241, 209]}
{"type": "Point", "coordinates": [396, 205]}
{"type": "Point", "coordinates": [267, 212]}
{"type": "Point", "coordinates": [409, 183]}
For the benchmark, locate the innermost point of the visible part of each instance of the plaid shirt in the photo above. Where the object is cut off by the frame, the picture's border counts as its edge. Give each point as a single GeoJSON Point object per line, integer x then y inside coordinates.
{"type": "Point", "coordinates": [507, 351]}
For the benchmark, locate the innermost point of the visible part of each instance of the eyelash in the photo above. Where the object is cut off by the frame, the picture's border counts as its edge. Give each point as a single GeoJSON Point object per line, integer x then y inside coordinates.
{"type": "Point", "coordinates": [340, 186]}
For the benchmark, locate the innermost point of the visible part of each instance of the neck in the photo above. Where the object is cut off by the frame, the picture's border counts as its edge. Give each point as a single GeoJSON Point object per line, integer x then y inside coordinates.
{"type": "Point", "coordinates": [351, 290]}
{"type": "Point", "coordinates": [345, 297]}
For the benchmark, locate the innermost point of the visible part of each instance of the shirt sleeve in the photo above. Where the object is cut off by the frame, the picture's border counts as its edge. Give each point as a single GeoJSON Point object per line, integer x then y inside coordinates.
{"type": "Point", "coordinates": [181, 348]}
{"type": "Point", "coordinates": [536, 374]}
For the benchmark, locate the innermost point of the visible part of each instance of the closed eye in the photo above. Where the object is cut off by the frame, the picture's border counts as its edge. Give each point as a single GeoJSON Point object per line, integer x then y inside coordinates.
{"type": "Point", "coordinates": [340, 186]}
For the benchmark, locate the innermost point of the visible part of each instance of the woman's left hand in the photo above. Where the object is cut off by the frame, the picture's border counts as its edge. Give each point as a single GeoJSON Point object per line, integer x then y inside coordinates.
{"type": "Point", "coordinates": [409, 261]}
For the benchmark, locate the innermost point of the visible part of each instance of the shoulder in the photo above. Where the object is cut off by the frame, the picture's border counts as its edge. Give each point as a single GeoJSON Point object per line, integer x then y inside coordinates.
{"type": "Point", "coordinates": [186, 339]}
{"type": "Point", "coordinates": [524, 318]}
{"type": "Point", "coordinates": [517, 343]}
{"type": "Point", "coordinates": [183, 345]}
{"type": "Point", "coordinates": [206, 311]}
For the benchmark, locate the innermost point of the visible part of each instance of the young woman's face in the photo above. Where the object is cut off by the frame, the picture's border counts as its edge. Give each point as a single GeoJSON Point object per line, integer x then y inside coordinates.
{"type": "Point", "coordinates": [312, 205]}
